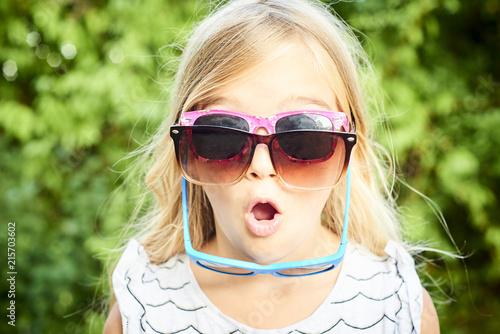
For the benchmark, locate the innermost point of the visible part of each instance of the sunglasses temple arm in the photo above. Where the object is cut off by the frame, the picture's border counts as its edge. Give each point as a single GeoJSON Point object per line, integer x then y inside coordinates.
{"type": "Point", "coordinates": [343, 241]}
{"type": "Point", "coordinates": [187, 238]}
{"type": "Point", "coordinates": [353, 122]}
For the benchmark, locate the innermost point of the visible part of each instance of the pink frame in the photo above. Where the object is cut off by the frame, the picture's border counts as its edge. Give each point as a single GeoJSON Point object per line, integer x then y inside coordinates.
{"type": "Point", "coordinates": [340, 121]}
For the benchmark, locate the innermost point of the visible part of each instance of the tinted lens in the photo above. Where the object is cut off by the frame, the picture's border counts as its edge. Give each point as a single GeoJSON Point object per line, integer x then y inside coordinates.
{"type": "Point", "coordinates": [304, 271]}
{"type": "Point", "coordinates": [224, 269]}
{"type": "Point", "coordinates": [214, 155]}
{"type": "Point", "coordinates": [218, 146]}
{"type": "Point", "coordinates": [307, 147]}
{"type": "Point", "coordinates": [298, 156]}
{"type": "Point", "coordinates": [304, 122]}
{"type": "Point", "coordinates": [227, 121]}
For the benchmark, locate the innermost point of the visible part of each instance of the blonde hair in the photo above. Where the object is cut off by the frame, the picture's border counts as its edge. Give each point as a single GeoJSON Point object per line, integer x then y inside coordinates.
{"type": "Point", "coordinates": [236, 37]}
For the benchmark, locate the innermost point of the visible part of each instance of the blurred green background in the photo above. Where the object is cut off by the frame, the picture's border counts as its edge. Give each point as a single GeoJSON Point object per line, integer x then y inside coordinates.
{"type": "Point", "coordinates": [84, 83]}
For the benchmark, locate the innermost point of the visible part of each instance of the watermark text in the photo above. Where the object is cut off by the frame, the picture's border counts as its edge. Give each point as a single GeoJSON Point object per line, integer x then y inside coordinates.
{"type": "Point", "coordinates": [11, 273]}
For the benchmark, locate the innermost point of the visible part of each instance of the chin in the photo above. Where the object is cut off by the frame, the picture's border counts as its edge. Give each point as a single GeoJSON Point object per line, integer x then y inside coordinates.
{"type": "Point", "coordinates": [267, 253]}
{"type": "Point", "coordinates": [265, 259]}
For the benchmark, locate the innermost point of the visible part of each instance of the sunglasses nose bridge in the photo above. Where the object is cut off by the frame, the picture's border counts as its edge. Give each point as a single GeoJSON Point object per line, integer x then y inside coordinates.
{"type": "Point", "coordinates": [262, 139]}
{"type": "Point", "coordinates": [261, 164]}
{"type": "Point", "coordinates": [262, 122]}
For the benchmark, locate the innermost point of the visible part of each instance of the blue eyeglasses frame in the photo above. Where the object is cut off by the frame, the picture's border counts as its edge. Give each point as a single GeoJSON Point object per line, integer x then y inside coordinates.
{"type": "Point", "coordinates": [274, 269]}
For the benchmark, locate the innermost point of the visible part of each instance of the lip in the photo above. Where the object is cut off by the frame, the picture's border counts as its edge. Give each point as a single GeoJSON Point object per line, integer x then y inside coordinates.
{"type": "Point", "coordinates": [263, 228]}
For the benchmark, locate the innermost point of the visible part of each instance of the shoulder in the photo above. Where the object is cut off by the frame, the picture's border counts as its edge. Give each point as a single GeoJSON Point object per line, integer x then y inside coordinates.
{"type": "Point", "coordinates": [133, 255]}
{"type": "Point", "coordinates": [114, 322]}
{"type": "Point", "coordinates": [135, 268]}
{"type": "Point", "coordinates": [430, 321]}
{"type": "Point", "coordinates": [141, 287]}
{"type": "Point", "coordinates": [396, 267]}
{"type": "Point", "coordinates": [386, 287]}
{"type": "Point", "coordinates": [419, 300]}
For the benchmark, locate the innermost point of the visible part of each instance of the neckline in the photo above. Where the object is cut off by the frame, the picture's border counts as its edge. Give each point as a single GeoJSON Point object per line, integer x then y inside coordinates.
{"type": "Point", "coordinates": [248, 329]}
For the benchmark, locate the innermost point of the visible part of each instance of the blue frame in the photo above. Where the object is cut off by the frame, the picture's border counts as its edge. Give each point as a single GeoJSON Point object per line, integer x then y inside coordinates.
{"type": "Point", "coordinates": [275, 268]}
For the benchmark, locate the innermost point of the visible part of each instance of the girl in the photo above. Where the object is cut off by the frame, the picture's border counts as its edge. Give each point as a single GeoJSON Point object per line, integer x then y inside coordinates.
{"type": "Point", "coordinates": [269, 130]}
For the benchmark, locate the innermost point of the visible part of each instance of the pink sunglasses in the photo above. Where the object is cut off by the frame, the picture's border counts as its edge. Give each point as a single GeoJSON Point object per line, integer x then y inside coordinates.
{"type": "Point", "coordinates": [324, 120]}
{"type": "Point", "coordinates": [309, 149]}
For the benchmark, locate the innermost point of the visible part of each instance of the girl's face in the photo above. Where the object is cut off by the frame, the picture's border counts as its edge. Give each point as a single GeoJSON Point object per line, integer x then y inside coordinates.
{"type": "Point", "coordinates": [260, 219]}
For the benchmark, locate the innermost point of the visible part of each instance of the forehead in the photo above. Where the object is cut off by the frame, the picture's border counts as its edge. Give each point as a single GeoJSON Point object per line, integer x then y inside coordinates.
{"type": "Point", "coordinates": [293, 77]}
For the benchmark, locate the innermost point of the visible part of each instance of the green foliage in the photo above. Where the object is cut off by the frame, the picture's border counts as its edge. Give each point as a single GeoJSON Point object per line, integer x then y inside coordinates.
{"type": "Point", "coordinates": [84, 82]}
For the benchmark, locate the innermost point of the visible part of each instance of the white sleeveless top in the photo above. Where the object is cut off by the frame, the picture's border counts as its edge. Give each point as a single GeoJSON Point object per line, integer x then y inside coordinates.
{"type": "Point", "coordinates": [371, 295]}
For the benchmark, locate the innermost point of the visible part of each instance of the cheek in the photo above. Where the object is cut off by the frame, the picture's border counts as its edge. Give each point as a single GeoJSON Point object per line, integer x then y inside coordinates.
{"type": "Point", "coordinates": [215, 196]}
{"type": "Point", "coordinates": [311, 203]}
{"type": "Point", "coordinates": [223, 200]}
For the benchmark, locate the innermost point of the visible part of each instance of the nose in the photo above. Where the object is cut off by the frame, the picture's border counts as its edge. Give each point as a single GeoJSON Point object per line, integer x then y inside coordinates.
{"type": "Point", "coordinates": [261, 166]}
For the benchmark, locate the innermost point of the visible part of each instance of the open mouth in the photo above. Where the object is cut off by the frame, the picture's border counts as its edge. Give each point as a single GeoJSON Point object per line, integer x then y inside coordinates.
{"type": "Point", "coordinates": [264, 211]}
{"type": "Point", "coordinates": [263, 218]}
